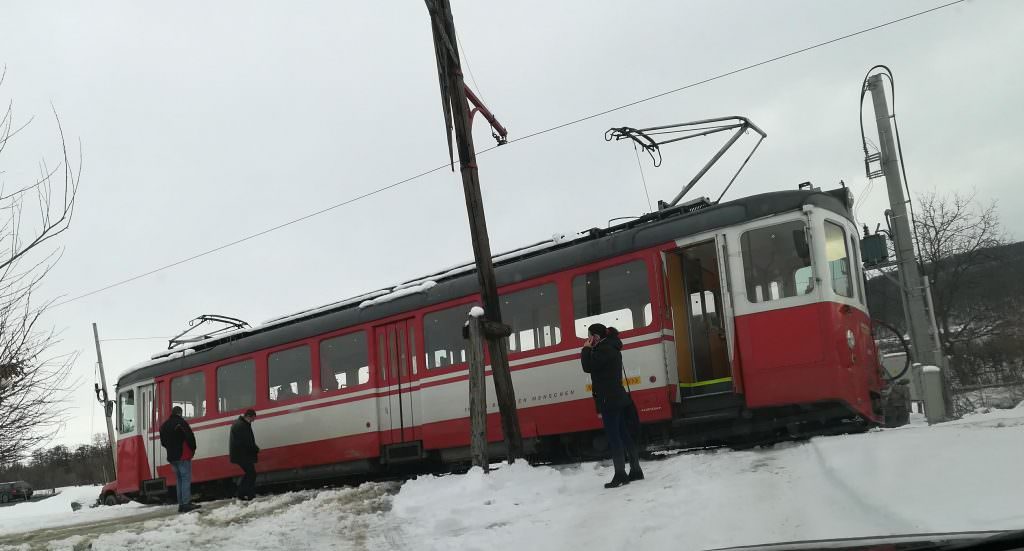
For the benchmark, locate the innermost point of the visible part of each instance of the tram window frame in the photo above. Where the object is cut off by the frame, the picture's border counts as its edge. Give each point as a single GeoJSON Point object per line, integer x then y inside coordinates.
{"type": "Point", "coordinates": [298, 393]}
{"type": "Point", "coordinates": [839, 262]}
{"type": "Point", "coordinates": [545, 318]}
{"type": "Point", "coordinates": [759, 290]}
{"type": "Point", "coordinates": [185, 404]}
{"type": "Point", "coordinates": [857, 268]}
{"type": "Point", "coordinates": [640, 315]}
{"type": "Point", "coordinates": [456, 358]}
{"type": "Point", "coordinates": [121, 410]}
{"type": "Point", "coordinates": [327, 374]}
{"type": "Point", "coordinates": [221, 397]}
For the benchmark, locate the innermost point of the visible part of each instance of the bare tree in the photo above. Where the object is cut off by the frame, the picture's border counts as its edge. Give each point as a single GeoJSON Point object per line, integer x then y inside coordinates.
{"type": "Point", "coordinates": [977, 291]}
{"type": "Point", "coordinates": [33, 380]}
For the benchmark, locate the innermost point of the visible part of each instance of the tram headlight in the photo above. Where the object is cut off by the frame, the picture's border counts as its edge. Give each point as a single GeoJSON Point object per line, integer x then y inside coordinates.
{"type": "Point", "coordinates": [851, 341]}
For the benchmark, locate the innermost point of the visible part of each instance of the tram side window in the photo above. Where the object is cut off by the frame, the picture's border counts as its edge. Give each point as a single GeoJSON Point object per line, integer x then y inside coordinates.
{"type": "Point", "coordinates": [126, 411]}
{"type": "Point", "coordinates": [344, 361]}
{"type": "Point", "coordinates": [533, 315]}
{"type": "Point", "coordinates": [616, 297]}
{"type": "Point", "coordinates": [236, 386]}
{"type": "Point", "coordinates": [776, 262]}
{"type": "Point", "coordinates": [147, 408]}
{"type": "Point", "coordinates": [189, 393]}
{"type": "Point", "coordinates": [838, 259]}
{"type": "Point", "coordinates": [442, 336]}
{"type": "Point", "coordinates": [290, 373]}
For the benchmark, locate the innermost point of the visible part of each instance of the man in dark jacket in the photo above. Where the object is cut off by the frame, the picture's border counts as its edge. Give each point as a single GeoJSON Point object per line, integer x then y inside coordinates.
{"type": "Point", "coordinates": [177, 437]}
{"type": "Point", "coordinates": [602, 359]}
{"type": "Point", "coordinates": [243, 452]}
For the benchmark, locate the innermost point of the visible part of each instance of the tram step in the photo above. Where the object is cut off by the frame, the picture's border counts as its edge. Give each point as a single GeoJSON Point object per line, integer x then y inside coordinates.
{"type": "Point", "coordinates": [402, 452]}
{"type": "Point", "coordinates": [708, 403]}
{"type": "Point", "coordinates": [704, 417]}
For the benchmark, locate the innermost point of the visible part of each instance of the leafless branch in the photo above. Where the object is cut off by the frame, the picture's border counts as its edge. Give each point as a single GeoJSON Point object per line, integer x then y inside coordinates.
{"type": "Point", "coordinates": [33, 383]}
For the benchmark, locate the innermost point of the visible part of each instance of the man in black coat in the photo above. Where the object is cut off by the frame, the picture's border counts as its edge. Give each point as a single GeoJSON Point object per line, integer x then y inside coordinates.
{"type": "Point", "coordinates": [177, 437]}
{"type": "Point", "coordinates": [243, 452]}
{"type": "Point", "coordinates": [602, 359]}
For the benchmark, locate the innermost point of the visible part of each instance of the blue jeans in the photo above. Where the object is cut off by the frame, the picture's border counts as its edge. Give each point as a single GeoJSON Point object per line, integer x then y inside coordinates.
{"type": "Point", "coordinates": [183, 474]}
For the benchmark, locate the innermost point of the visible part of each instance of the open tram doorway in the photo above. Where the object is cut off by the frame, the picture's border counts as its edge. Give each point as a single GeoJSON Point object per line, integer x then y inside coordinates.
{"type": "Point", "coordinates": [699, 319]}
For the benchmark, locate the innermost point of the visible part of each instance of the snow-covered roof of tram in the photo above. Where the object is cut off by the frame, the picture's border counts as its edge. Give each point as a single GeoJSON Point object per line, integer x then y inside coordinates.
{"type": "Point", "coordinates": [364, 300]}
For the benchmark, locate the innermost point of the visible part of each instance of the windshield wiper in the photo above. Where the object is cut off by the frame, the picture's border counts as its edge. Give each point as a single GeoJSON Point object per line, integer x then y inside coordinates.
{"type": "Point", "coordinates": [1008, 540]}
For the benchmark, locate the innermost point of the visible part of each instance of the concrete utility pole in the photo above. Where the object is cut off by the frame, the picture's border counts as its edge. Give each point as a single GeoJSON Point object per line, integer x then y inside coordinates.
{"type": "Point", "coordinates": [910, 277]}
{"type": "Point", "coordinates": [458, 117]}
{"type": "Point", "coordinates": [103, 397]}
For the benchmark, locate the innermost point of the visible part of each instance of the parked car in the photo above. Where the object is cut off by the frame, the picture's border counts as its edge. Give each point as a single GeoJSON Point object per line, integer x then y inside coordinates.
{"type": "Point", "coordinates": [10, 491]}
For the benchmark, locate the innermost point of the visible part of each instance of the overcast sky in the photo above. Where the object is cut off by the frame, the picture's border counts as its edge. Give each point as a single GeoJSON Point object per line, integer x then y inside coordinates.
{"type": "Point", "coordinates": [203, 122]}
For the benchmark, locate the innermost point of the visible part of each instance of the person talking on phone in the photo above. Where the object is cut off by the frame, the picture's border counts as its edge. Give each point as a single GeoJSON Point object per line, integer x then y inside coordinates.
{"type": "Point", "coordinates": [602, 359]}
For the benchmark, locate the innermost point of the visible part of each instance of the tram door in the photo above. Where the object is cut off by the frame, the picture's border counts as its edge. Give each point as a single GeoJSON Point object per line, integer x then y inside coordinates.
{"type": "Point", "coordinates": [396, 353]}
{"type": "Point", "coordinates": [148, 426]}
{"type": "Point", "coordinates": [698, 314]}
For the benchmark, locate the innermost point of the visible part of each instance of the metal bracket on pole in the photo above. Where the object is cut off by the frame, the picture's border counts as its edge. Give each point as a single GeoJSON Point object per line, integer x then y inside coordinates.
{"type": "Point", "coordinates": [497, 130]}
{"type": "Point", "coordinates": [645, 138]}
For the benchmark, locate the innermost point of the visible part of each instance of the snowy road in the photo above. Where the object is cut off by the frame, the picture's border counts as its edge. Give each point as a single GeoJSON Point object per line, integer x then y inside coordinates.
{"type": "Point", "coordinates": [957, 476]}
{"type": "Point", "coordinates": [324, 519]}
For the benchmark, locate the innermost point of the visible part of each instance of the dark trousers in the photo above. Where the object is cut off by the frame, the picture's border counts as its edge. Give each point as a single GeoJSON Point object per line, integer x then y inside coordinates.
{"type": "Point", "coordinates": [247, 486]}
{"type": "Point", "coordinates": [620, 441]}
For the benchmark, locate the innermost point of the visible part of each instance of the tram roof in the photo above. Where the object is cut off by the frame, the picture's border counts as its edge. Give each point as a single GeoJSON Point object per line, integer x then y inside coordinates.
{"type": "Point", "coordinates": [536, 260]}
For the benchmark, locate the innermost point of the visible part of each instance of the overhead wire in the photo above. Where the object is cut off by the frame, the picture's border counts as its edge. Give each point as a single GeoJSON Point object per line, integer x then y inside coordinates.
{"type": "Point", "coordinates": [469, 68]}
{"type": "Point", "coordinates": [735, 71]}
{"type": "Point", "coordinates": [643, 179]}
{"type": "Point", "coordinates": [251, 236]}
{"type": "Point", "coordinates": [511, 141]}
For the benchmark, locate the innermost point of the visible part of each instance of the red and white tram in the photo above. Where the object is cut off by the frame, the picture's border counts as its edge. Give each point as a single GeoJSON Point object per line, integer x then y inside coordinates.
{"type": "Point", "coordinates": [737, 318]}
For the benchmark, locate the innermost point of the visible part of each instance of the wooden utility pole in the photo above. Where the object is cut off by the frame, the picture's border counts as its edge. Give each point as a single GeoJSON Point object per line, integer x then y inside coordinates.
{"type": "Point", "coordinates": [103, 397]}
{"type": "Point", "coordinates": [459, 119]}
{"type": "Point", "coordinates": [477, 395]}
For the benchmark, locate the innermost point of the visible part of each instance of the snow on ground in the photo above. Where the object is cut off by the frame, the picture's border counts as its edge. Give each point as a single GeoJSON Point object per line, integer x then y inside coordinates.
{"type": "Point", "coordinates": [56, 510]}
{"type": "Point", "coordinates": [963, 475]}
{"type": "Point", "coordinates": [959, 476]}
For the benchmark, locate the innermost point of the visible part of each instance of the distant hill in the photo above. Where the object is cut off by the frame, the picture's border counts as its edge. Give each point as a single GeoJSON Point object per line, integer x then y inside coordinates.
{"type": "Point", "coordinates": [995, 283]}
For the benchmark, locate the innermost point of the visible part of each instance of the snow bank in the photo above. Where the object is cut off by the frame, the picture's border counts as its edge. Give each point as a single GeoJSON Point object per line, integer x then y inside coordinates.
{"type": "Point", "coordinates": [954, 476]}
{"type": "Point", "coordinates": [56, 510]}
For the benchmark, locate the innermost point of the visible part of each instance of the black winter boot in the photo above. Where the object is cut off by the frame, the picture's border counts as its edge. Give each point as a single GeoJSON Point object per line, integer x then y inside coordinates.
{"type": "Point", "coordinates": [635, 472]}
{"type": "Point", "coordinates": [620, 478]}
